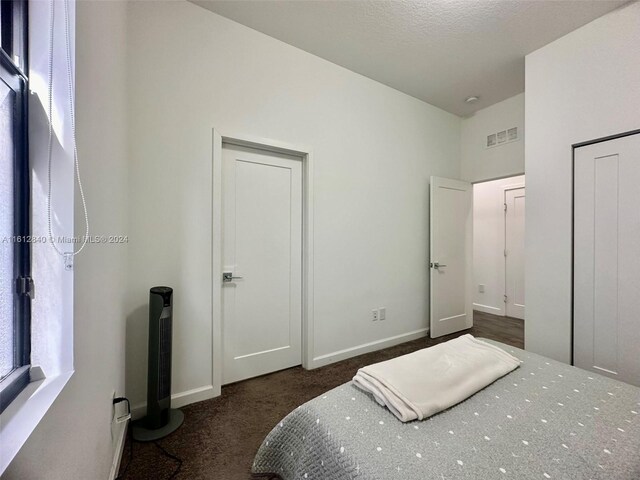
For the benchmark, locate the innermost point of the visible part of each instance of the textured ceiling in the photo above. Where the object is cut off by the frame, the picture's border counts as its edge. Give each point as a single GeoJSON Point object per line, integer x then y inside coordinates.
{"type": "Point", "coordinates": [440, 51]}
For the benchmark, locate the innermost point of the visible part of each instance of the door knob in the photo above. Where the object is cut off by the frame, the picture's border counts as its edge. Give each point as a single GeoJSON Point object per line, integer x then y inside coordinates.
{"type": "Point", "coordinates": [228, 277]}
{"type": "Point", "coordinates": [436, 265]}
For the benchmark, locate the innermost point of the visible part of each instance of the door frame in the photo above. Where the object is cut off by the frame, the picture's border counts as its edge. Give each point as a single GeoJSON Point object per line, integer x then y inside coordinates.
{"type": "Point", "coordinates": [573, 219]}
{"type": "Point", "coordinates": [306, 157]}
{"type": "Point", "coordinates": [505, 189]}
{"type": "Point", "coordinates": [503, 229]}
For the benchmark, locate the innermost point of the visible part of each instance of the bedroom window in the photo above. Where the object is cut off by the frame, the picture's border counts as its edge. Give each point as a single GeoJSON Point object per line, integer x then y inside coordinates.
{"type": "Point", "coordinates": [16, 287]}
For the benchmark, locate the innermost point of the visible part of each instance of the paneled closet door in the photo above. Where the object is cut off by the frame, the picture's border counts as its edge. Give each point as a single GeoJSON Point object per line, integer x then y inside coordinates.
{"type": "Point", "coordinates": [607, 258]}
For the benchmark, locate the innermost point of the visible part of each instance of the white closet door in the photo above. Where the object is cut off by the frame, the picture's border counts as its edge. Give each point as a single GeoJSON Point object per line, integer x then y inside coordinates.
{"type": "Point", "coordinates": [607, 258]}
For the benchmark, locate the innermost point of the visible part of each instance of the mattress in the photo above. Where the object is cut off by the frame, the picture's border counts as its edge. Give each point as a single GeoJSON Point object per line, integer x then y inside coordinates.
{"type": "Point", "coordinates": [544, 420]}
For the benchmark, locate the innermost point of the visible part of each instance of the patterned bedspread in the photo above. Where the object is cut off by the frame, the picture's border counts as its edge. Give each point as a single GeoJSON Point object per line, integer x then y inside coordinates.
{"type": "Point", "coordinates": [544, 420]}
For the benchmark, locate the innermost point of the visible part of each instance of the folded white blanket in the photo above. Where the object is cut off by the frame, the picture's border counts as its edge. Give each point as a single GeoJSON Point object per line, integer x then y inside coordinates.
{"type": "Point", "coordinates": [423, 383]}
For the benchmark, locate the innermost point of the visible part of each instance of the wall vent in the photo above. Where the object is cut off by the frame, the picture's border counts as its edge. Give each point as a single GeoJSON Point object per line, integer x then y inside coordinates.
{"type": "Point", "coordinates": [504, 136]}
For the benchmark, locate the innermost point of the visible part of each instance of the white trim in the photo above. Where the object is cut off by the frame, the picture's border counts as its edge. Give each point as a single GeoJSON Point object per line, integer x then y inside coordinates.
{"type": "Point", "coordinates": [24, 413]}
{"type": "Point", "coordinates": [488, 309]}
{"type": "Point", "coordinates": [306, 155]}
{"type": "Point", "coordinates": [117, 454]}
{"type": "Point", "coordinates": [501, 177]}
{"type": "Point", "coordinates": [192, 396]}
{"type": "Point", "coordinates": [504, 190]}
{"type": "Point", "coordinates": [216, 265]}
{"type": "Point", "coordinates": [323, 360]}
{"type": "Point", "coordinates": [515, 186]}
{"type": "Point", "coordinates": [179, 399]}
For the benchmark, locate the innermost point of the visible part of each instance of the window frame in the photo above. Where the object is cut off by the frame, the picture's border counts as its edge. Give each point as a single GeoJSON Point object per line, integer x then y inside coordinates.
{"type": "Point", "coordinates": [14, 17]}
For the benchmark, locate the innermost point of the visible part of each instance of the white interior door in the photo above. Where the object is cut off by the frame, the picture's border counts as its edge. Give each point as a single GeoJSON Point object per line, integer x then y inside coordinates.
{"type": "Point", "coordinates": [607, 258]}
{"type": "Point", "coordinates": [262, 250]}
{"type": "Point", "coordinates": [514, 252]}
{"type": "Point", "coordinates": [450, 256]}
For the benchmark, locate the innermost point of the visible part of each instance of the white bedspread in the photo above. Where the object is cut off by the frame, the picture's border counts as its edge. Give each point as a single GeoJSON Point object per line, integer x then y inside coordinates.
{"type": "Point", "coordinates": [423, 383]}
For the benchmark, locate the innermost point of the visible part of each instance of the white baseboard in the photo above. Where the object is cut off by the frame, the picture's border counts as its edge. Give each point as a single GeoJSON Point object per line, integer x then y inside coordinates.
{"type": "Point", "coordinates": [208, 391]}
{"type": "Point", "coordinates": [179, 399]}
{"type": "Point", "coordinates": [333, 357]}
{"type": "Point", "coordinates": [120, 434]}
{"type": "Point", "coordinates": [488, 309]}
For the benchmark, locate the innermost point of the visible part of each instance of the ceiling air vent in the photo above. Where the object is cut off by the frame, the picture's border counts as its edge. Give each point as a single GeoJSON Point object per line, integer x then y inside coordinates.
{"type": "Point", "coordinates": [504, 136]}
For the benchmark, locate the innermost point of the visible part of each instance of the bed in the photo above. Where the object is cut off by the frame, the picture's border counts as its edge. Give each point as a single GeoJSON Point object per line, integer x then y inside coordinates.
{"type": "Point", "coordinates": [544, 420]}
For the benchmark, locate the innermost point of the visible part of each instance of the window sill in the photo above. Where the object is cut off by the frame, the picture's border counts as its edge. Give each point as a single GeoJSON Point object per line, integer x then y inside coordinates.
{"type": "Point", "coordinates": [22, 416]}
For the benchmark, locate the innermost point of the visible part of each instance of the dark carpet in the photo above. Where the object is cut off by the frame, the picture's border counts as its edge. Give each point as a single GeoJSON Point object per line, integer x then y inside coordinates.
{"type": "Point", "coordinates": [220, 437]}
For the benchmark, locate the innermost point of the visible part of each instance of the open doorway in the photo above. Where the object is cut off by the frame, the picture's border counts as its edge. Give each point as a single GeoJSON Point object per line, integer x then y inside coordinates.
{"type": "Point", "coordinates": [498, 249]}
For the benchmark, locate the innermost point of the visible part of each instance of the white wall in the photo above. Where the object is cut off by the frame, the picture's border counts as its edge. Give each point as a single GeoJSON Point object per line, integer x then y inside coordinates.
{"type": "Point", "coordinates": [488, 244]}
{"type": "Point", "coordinates": [583, 86]}
{"type": "Point", "coordinates": [481, 163]}
{"type": "Point", "coordinates": [374, 149]}
{"type": "Point", "coordinates": [74, 440]}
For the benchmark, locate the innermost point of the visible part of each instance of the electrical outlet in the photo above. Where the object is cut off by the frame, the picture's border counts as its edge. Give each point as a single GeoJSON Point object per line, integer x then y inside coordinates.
{"type": "Point", "coordinates": [382, 313]}
{"type": "Point", "coordinates": [121, 410]}
{"type": "Point", "coordinates": [375, 315]}
{"type": "Point", "coordinates": [481, 288]}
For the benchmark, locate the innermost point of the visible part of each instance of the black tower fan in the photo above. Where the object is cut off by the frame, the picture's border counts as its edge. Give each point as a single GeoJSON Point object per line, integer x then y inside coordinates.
{"type": "Point", "coordinates": [161, 419]}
